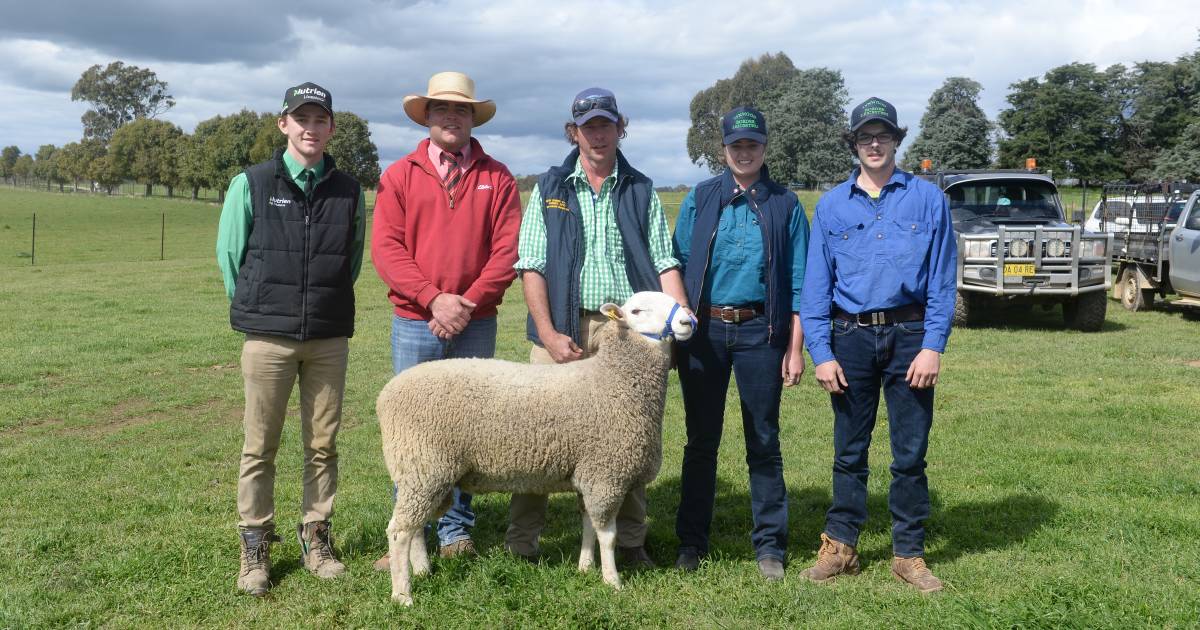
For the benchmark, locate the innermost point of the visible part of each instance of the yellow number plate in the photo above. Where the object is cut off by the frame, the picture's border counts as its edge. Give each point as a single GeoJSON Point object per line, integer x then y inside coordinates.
{"type": "Point", "coordinates": [1019, 270]}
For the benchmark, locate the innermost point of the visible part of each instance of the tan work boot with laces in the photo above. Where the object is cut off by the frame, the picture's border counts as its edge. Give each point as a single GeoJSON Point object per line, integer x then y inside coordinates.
{"type": "Point", "coordinates": [464, 547]}
{"type": "Point", "coordinates": [833, 559]}
{"type": "Point", "coordinates": [254, 576]}
{"type": "Point", "coordinates": [316, 550]}
{"type": "Point", "coordinates": [914, 572]}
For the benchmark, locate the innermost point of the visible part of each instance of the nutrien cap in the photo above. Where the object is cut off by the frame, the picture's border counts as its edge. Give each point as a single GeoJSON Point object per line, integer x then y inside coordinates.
{"type": "Point", "coordinates": [304, 94]}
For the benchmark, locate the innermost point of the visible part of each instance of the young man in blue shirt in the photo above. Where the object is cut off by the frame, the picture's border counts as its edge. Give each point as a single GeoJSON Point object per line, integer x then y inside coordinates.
{"type": "Point", "coordinates": [876, 307]}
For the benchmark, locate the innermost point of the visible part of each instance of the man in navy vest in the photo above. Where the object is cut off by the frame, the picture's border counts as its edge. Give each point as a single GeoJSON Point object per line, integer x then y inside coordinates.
{"type": "Point", "coordinates": [876, 306]}
{"type": "Point", "coordinates": [289, 245]}
{"type": "Point", "coordinates": [593, 232]}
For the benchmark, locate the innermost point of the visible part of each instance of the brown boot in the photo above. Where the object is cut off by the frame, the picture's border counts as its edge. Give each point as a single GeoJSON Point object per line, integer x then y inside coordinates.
{"type": "Point", "coordinates": [254, 576]}
{"type": "Point", "coordinates": [464, 548]}
{"type": "Point", "coordinates": [914, 572]}
{"type": "Point", "coordinates": [316, 550]}
{"type": "Point", "coordinates": [833, 559]}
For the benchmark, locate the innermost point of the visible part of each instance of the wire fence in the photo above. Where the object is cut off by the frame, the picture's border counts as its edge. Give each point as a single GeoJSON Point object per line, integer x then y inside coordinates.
{"type": "Point", "coordinates": [85, 227]}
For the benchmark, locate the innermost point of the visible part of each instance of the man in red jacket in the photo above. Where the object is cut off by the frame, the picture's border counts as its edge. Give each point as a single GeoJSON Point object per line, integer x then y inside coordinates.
{"type": "Point", "coordinates": [444, 240]}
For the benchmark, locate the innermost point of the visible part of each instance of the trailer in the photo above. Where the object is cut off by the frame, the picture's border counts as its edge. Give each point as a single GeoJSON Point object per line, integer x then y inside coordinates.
{"type": "Point", "coordinates": [1156, 243]}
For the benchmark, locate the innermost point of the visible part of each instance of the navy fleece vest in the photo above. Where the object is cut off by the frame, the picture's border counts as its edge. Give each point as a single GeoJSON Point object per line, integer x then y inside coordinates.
{"type": "Point", "coordinates": [773, 204]}
{"type": "Point", "coordinates": [565, 245]}
{"type": "Point", "coordinates": [296, 280]}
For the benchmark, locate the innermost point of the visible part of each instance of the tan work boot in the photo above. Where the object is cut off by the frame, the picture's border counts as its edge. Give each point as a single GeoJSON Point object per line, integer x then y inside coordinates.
{"type": "Point", "coordinates": [464, 547]}
{"type": "Point", "coordinates": [914, 572]}
{"type": "Point", "coordinates": [316, 550]}
{"type": "Point", "coordinates": [254, 576]}
{"type": "Point", "coordinates": [833, 559]}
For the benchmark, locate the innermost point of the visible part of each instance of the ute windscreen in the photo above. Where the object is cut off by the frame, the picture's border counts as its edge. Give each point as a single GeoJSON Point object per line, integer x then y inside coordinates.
{"type": "Point", "coordinates": [1000, 201]}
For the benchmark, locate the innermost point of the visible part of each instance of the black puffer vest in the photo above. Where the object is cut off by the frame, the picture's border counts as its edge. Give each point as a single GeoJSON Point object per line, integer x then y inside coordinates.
{"type": "Point", "coordinates": [296, 279]}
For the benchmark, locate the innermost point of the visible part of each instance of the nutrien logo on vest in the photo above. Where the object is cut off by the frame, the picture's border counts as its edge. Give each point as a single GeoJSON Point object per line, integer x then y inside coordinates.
{"type": "Point", "coordinates": [276, 201]}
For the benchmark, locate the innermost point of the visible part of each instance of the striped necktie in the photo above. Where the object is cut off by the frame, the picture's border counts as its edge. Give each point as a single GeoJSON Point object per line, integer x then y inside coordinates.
{"type": "Point", "coordinates": [453, 173]}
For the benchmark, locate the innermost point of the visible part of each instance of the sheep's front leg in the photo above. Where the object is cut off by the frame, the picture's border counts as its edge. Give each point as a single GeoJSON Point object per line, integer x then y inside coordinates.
{"type": "Point", "coordinates": [607, 533]}
{"type": "Point", "coordinates": [398, 548]}
{"type": "Point", "coordinates": [588, 549]}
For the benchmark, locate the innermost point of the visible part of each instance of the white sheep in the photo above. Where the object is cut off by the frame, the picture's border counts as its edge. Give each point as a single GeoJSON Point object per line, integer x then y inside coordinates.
{"type": "Point", "coordinates": [592, 426]}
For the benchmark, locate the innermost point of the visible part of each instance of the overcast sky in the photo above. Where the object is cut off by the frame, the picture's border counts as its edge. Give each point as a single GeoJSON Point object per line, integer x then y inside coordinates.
{"type": "Point", "coordinates": [532, 56]}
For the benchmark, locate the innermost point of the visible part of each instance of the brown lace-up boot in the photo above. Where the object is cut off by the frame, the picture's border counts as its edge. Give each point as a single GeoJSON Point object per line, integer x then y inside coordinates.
{"type": "Point", "coordinates": [254, 576]}
{"type": "Point", "coordinates": [833, 559]}
{"type": "Point", "coordinates": [913, 571]}
{"type": "Point", "coordinates": [316, 550]}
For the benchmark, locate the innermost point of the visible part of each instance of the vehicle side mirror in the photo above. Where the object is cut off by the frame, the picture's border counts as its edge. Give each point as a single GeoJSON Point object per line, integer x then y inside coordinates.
{"type": "Point", "coordinates": [1121, 220]}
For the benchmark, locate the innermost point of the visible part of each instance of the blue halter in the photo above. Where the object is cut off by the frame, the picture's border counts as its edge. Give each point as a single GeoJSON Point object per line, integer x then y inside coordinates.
{"type": "Point", "coordinates": [667, 329]}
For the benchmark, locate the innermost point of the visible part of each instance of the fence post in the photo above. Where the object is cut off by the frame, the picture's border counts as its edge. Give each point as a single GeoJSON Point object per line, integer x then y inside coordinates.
{"type": "Point", "coordinates": [33, 243]}
{"type": "Point", "coordinates": [162, 239]}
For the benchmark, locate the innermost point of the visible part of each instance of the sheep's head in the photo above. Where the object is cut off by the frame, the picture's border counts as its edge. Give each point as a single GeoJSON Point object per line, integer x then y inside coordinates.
{"type": "Point", "coordinates": [655, 315]}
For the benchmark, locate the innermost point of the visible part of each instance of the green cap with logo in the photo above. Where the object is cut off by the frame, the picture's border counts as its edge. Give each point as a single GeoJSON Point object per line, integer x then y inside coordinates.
{"type": "Point", "coordinates": [743, 123]}
{"type": "Point", "coordinates": [871, 110]}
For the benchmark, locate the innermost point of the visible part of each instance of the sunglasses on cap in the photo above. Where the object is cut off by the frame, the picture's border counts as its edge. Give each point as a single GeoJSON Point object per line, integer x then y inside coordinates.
{"type": "Point", "coordinates": [587, 104]}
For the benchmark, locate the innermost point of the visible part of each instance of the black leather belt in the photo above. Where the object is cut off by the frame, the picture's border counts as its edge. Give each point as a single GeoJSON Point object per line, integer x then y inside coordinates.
{"type": "Point", "coordinates": [735, 314]}
{"type": "Point", "coordinates": [909, 313]}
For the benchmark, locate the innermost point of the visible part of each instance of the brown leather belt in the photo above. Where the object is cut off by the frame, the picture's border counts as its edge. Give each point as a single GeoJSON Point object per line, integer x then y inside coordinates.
{"type": "Point", "coordinates": [909, 313]}
{"type": "Point", "coordinates": [735, 314]}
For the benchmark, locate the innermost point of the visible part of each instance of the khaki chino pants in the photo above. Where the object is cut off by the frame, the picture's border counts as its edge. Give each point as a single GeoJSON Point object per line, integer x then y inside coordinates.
{"type": "Point", "coordinates": [270, 367]}
{"type": "Point", "coordinates": [527, 512]}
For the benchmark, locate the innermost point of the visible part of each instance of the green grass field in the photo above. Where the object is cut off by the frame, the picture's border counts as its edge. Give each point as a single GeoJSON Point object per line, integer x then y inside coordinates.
{"type": "Point", "coordinates": [1063, 468]}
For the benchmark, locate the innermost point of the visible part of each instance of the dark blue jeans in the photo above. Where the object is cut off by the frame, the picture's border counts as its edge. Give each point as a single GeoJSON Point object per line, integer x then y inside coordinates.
{"type": "Point", "coordinates": [875, 357]}
{"type": "Point", "coordinates": [705, 363]}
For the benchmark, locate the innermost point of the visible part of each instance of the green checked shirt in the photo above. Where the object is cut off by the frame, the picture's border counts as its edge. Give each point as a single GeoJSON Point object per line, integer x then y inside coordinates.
{"type": "Point", "coordinates": [603, 278]}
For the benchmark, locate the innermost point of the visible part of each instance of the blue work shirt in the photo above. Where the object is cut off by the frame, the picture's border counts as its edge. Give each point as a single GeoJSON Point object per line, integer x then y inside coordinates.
{"type": "Point", "coordinates": [869, 255]}
{"type": "Point", "coordinates": [736, 274]}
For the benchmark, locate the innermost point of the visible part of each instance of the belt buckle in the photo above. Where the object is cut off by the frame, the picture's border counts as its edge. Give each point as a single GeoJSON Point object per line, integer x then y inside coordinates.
{"type": "Point", "coordinates": [878, 318]}
{"type": "Point", "coordinates": [733, 316]}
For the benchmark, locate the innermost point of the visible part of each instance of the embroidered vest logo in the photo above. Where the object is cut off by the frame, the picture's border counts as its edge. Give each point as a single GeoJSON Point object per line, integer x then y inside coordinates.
{"type": "Point", "coordinates": [557, 204]}
{"type": "Point", "coordinates": [276, 201]}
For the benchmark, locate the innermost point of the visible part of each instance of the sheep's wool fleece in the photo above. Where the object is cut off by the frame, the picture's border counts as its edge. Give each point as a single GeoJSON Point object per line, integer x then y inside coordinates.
{"type": "Point", "coordinates": [491, 425]}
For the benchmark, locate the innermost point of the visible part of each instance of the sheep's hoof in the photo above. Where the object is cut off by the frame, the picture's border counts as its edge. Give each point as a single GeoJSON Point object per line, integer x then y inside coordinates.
{"type": "Point", "coordinates": [402, 599]}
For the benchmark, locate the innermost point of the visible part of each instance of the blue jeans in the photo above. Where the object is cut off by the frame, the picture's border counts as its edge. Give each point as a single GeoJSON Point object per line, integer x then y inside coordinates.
{"type": "Point", "coordinates": [873, 357]}
{"type": "Point", "coordinates": [705, 363]}
{"type": "Point", "coordinates": [413, 343]}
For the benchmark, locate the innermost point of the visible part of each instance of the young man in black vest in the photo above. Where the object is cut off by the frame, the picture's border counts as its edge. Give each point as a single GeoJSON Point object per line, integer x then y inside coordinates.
{"type": "Point", "coordinates": [290, 244]}
{"type": "Point", "coordinates": [593, 232]}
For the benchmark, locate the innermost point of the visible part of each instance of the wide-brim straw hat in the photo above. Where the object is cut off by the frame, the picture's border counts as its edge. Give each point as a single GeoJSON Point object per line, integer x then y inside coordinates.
{"type": "Point", "coordinates": [448, 86]}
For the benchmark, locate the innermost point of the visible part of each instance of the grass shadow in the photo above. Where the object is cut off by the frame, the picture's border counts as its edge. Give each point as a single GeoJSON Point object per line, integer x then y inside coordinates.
{"type": "Point", "coordinates": [977, 526]}
{"type": "Point", "coordinates": [1018, 318]}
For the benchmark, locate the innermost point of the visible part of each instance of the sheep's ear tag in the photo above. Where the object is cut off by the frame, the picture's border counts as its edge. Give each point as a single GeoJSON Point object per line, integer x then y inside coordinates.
{"type": "Point", "coordinates": [614, 315]}
{"type": "Point", "coordinates": [612, 311]}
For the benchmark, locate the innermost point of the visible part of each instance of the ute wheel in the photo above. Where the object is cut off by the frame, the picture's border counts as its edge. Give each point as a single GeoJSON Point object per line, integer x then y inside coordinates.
{"type": "Point", "coordinates": [1086, 312]}
{"type": "Point", "coordinates": [965, 309]}
{"type": "Point", "coordinates": [1133, 296]}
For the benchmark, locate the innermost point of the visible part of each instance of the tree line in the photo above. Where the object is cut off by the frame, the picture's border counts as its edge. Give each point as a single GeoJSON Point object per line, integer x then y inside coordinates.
{"type": "Point", "coordinates": [1136, 123]}
{"type": "Point", "coordinates": [124, 140]}
{"type": "Point", "coordinates": [1133, 123]}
